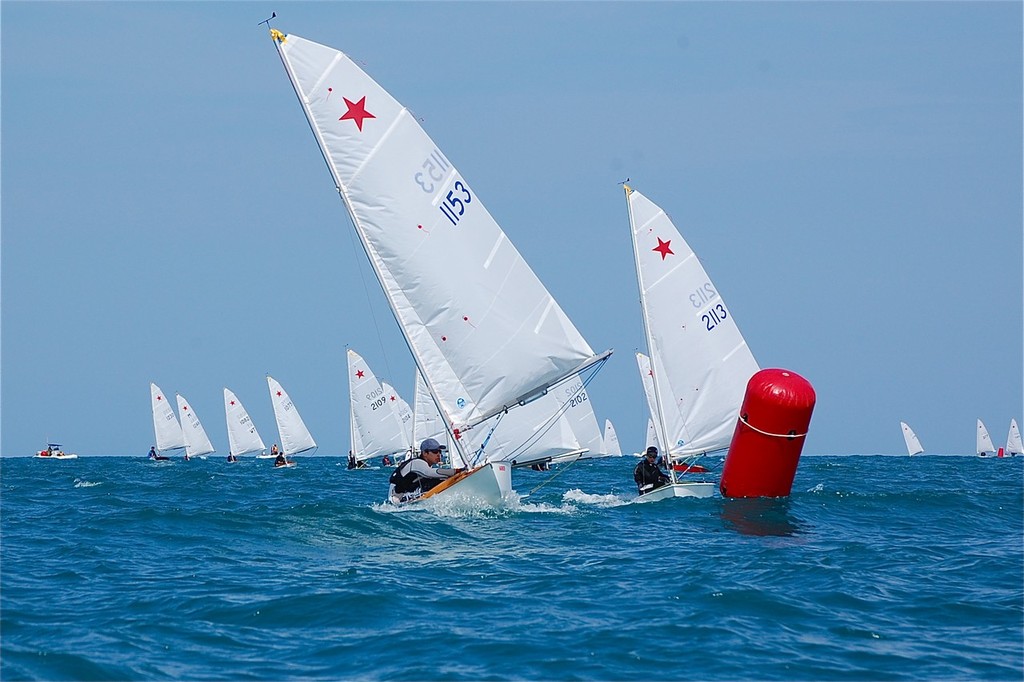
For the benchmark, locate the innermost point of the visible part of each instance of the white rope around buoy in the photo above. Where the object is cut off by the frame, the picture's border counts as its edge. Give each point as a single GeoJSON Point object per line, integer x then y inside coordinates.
{"type": "Point", "coordinates": [790, 435]}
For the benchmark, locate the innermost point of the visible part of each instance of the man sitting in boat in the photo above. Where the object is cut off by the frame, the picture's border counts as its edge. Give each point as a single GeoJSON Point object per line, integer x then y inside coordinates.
{"type": "Point", "coordinates": [281, 460]}
{"type": "Point", "coordinates": [416, 476]}
{"type": "Point", "coordinates": [648, 474]}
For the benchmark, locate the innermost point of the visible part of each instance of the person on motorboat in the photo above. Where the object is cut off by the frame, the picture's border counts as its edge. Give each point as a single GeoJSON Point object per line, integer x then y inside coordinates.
{"type": "Point", "coordinates": [416, 476]}
{"type": "Point", "coordinates": [648, 474]}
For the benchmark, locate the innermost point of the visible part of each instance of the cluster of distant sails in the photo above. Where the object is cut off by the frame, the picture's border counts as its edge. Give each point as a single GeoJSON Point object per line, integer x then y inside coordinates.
{"type": "Point", "coordinates": [243, 439]}
{"type": "Point", "coordinates": [985, 448]}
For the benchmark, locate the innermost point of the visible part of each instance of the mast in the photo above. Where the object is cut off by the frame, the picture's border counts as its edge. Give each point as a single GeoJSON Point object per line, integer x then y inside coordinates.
{"type": "Point", "coordinates": [659, 418]}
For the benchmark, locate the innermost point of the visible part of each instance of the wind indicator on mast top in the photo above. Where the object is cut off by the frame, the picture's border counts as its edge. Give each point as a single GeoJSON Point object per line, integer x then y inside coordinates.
{"type": "Point", "coordinates": [267, 21]}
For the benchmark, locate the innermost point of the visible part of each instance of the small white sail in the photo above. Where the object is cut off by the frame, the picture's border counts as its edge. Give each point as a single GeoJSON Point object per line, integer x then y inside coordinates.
{"type": "Point", "coordinates": [700, 362]}
{"type": "Point", "coordinates": [427, 421]}
{"type": "Point", "coordinates": [913, 444]}
{"type": "Point", "coordinates": [611, 440]}
{"type": "Point", "coordinates": [652, 437]}
{"type": "Point", "coordinates": [402, 410]}
{"type": "Point", "coordinates": [295, 437]}
{"type": "Point", "coordinates": [1014, 446]}
{"type": "Point", "coordinates": [196, 441]}
{"type": "Point", "coordinates": [165, 424]}
{"type": "Point", "coordinates": [242, 435]}
{"type": "Point", "coordinates": [377, 428]}
{"type": "Point", "coordinates": [985, 446]}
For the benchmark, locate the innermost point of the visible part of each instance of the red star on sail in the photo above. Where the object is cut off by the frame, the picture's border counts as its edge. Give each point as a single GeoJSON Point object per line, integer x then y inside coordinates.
{"type": "Point", "coordinates": [663, 248]}
{"type": "Point", "coordinates": [359, 374]}
{"type": "Point", "coordinates": [279, 394]}
{"type": "Point", "coordinates": [392, 398]}
{"type": "Point", "coordinates": [356, 112]}
{"type": "Point", "coordinates": [232, 402]}
{"type": "Point", "coordinates": [159, 397]}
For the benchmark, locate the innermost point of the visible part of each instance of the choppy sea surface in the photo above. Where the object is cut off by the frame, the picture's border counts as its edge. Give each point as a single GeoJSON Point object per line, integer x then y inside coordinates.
{"type": "Point", "coordinates": [875, 568]}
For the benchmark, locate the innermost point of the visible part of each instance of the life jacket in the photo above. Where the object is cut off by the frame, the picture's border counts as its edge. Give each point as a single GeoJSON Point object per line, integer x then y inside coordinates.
{"type": "Point", "coordinates": [406, 482]}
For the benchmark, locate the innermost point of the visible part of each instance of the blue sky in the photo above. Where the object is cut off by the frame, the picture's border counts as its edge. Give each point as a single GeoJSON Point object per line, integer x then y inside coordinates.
{"type": "Point", "coordinates": [849, 174]}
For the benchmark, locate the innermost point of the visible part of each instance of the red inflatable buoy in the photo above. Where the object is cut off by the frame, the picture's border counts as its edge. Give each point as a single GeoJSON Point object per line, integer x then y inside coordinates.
{"type": "Point", "coordinates": [769, 436]}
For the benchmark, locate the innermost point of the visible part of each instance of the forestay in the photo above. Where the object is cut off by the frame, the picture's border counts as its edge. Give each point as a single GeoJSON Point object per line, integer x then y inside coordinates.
{"type": "Point", "coordinates": [699, 359]}
{"type": "Point", "coordinates": [166, 428]}
{"type": "Point", "coordinates": [483, 329]}
{"type": "Point", "coordinates": [242, 435]}
{"type": "Point", "coordinates": [295, 437]}
{"type": "Point", "coordinates": [196, 441]}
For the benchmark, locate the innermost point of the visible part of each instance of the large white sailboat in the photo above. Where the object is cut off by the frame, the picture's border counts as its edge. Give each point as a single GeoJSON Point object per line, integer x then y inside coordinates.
{"type": "Point", "coordinates": [1014, 446]}
{"type": "Point", "coordinates": [486, 340]}
{"type": "Point", "coordinates": [913, 444]}
{"type": "Point", "coordinates": [197, 443]}
{"type": "Point", "coordinates": [376, 420]}
{"type": "Point", "coordinates": [699, 361]}
{"type": "Point", "coordinates": [166, 428]}
{"type": "Point", "coordinates": [985, 447]}
{"type": "Point", "coordinates": [243, 438]}
{"type": "Point", "coordinates": [295, 437]}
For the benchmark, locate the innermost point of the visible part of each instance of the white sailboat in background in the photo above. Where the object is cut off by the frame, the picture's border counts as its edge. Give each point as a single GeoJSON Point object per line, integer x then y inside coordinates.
{"type": "Point", "coordinates": [427, 421]}
{"type": "Point", "coordinates": [985, 446]}
{"type": "Point", "coordinates": [166, 428]}
{"type": "Point", "coordinates": [486, 340]}
{"type": "Point", "coordinates": [295, 437]}
{"type": "Point", "coordinates": [376, 424]}
{"type": "Point", "coordinates": [197, 443]}
{"type": "Point", "coordinates": [913, 444]}
{"type": "Point", "coordinates": [402, 409]}
{"type": "Point", "coordinates": [652, 438]}
{"type": "Point", "coordinates": [1014, 446]}
{"type": "Point", "coordinates": [611, 440]}
{"type": "Point", "coordinates": [643, 363]}
{"type": "Point", "coordinates": [699, 361]}
{"type": "Point", "coordinates": [243, 438]}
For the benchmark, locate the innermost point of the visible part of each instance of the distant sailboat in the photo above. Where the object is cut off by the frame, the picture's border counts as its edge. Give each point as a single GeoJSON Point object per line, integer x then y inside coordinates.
{"type": "Point", "coordinates": [375, 420]}
{"type": "Point", "coordinates": [165, 425]}
{"type": "Point", "coordinates": [1014, 446]}
{"type": "Point", "coordinates": [295, 437]}
{"type": "Point", "coordinates": [197, 443]}
{"type": "Point", "coordinates": [913, 444]}
{"type": "Point", "coordinates": [699, 362]}
{"type": "Point", "coordinates": [985, 446]}
{"type": "Point", "coordinates": [486, 341]}
{"type": "Point", "coordinates": [242, 435]}
{"type": "Point", "coordinates": [611, 440]}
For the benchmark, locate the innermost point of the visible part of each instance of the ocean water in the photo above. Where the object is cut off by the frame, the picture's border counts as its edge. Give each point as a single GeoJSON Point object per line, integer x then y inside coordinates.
{"type": "Point", "coordinates": [875, 568]}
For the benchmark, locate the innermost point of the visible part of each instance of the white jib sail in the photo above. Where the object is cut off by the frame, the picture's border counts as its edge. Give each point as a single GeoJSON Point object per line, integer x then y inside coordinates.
{"type": "Point", "coordinates": [483, 329]}
{"type": "Point", "coordinates": [652, 437]}
{"type": "Point", "coordinates": [913, 444]}
{"type": "Point", "coordinates": [700, 362]}
{"type": "Point", "coordinates": [196, 441]}
{"type": "Point", "coordinates": [377, 429]}
{"type": "Point", "coordinates": [985, 445]}
{"type": "Point", "coordinates": [611, 440]}
{"type": "Point", "coordinates": [1013, 442]}
{"type": "Point", "coordinates": [165, 425]}
{"type": "Point", "coordinates": [295, 437]}
{"type": "Point", "coordinates": [242, 435]}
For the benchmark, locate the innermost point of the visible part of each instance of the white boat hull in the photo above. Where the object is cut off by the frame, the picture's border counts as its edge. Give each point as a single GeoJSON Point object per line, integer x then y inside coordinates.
{"type": "Point", "coordinates": [72, 456]}
{"type": "Point", "coordinates": [696, 489]}
{"type": "Point", "coordinates": [489, 484]}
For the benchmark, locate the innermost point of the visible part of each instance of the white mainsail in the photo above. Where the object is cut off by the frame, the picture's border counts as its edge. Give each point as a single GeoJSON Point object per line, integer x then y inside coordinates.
{"type": "Point", "coordinates": [700, 363]}
{"type": "Point", "coordinates": [913, 444]}
{"type": "Point", "coordinates": [985, 446]}
{"type": "Point", "coordinates": [611, 440]}
{"type": "Point", "coordinates": [295, 437]}
{"type": "Point", "coordinates": [483, 329]}
{"type": "Point", "coordinates": [1014, 446]}
{"type": "Point", "coordinates": [377, 427]}
{"type": "Point", "coordinates": [196, 441]}
{"type": "Point", "coordinates": [165, 425]}
{"type": "Point", "coordinates": [242, 435]}
{"type": "Point", "coordinates": [652, 437]}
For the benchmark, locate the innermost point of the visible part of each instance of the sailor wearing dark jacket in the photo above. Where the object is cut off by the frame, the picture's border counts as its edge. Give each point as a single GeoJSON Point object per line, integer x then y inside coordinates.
{"type": "Point", "coordinates": [647, 474]}
{"type": "Point", "coordinates": [416, 476]}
